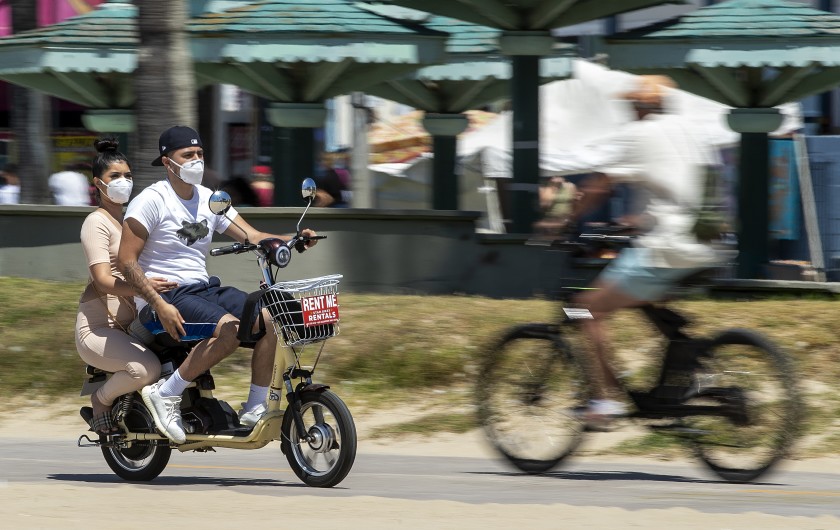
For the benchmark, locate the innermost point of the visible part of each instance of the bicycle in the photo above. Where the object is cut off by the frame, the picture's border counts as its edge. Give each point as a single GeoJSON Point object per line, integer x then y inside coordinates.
{"type": "Point", "coordinates": [733, 398]}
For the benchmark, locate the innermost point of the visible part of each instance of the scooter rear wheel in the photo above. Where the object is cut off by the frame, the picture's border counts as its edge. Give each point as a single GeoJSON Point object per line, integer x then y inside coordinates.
{"type": "Point", "coordinates": [144, 460]}
{"type": "Point", "coordinates": [327, 457]}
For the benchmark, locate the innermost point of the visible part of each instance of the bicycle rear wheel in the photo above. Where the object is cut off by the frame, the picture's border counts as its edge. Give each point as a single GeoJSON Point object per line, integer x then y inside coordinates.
{"type": "Point", "coordinates": [754, 380]}
{"type": "Point", "coordinates": [528, 389]}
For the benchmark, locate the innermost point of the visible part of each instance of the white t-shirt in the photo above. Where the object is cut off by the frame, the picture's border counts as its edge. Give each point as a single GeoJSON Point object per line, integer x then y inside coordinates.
{"type": "Point", "coordinates": [180, 232]}
{"type": "Point", "coordinates": [10, 194]}
{"type": "Point", "coordinates": [70, 188]}
{"type": "Point", "coordinates": [661, 154]}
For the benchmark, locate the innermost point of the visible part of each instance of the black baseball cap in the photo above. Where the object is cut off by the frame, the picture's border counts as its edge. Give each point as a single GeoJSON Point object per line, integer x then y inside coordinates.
{"type": "Point", "coordinates": [174, 138]}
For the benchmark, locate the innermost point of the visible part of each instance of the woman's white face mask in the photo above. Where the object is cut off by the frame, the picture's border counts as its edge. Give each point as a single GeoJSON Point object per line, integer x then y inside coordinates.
{"type": "Point", "coordinates": [192, 172]}
{"type": "Point", "coordinates": [119, 189]}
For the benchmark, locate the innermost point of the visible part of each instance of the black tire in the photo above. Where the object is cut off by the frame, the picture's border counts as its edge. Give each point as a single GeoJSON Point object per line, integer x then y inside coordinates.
{"type": "Point", "coordinates": [144, 460]}
{"type": "Point", "coordinates": [324, 462]}
{"type": "Point", "coordinates": [529, 387]}
{"type": "Point", "coordinates": [757, 381]}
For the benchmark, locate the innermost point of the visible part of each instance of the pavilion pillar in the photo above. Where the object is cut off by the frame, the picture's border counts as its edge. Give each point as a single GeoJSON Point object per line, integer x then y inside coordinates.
{"type": "Point", "coordinates": [525, 49]}
{"type": "Point", "coordinates": [445, 129]}
{"type": "Point", "coordinates": [754, 124]}
{"type": "Point", "coordinates": [293, 155]}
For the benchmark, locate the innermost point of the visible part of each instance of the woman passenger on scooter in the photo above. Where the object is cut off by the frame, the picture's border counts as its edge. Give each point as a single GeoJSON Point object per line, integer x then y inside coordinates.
{"type": "Point", "coordinates": [106, 307]}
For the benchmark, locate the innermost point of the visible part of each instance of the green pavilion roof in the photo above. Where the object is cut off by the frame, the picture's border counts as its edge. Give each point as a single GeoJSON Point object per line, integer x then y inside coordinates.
{"type": "Point", "coordinates": [308, 51]}
{"type": "Point", "coordinates": [65, 47]}
{"type": "Point", "coordinates": [475, 73]}
{"type": "Point", "coordinates": [519, 15]}
{"type": "Point", "coordinates": [752, 33]}
{"type": "Point", "coordinates": [744, 53]}
{"type": "Point", "coordinates": [87, 59]}
{"type": "Point", "coordinates": [745, 19]}
{"type": "Point", "coordinates": [309, 31]}
{"type": "Point", "coordinates": [111, 22]}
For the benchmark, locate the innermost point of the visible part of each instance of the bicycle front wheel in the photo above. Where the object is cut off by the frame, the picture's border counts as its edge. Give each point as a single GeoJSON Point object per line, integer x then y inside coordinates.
{"type": "Point", "coordinates": [747, 376]}
{"type": "Point", "coordinates": [529, 387]}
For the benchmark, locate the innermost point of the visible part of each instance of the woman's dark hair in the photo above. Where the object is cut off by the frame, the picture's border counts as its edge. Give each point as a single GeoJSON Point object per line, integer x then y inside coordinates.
{"type": "Point", "coordinates": [107, 153]}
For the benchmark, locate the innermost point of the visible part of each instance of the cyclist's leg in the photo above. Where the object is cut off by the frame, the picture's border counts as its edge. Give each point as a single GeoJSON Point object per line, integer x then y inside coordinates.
{"type": "Point", "coordinates": [626, 282]}
{"type": "Point", "coordinates": [606, 298]}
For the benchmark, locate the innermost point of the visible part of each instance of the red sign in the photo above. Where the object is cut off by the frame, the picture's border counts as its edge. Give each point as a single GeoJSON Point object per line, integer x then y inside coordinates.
{"type": "Point", "coordinates": [320, 309]}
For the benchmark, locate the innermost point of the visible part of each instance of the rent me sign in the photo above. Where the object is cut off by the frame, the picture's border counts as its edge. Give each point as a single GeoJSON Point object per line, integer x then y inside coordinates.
{"type": "Point", "coordinates": [319, 309]}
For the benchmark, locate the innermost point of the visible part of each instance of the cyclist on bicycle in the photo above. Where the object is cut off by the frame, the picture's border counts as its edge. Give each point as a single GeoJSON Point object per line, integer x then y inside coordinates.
{"type": "Point", "coordinates": [659, 153]}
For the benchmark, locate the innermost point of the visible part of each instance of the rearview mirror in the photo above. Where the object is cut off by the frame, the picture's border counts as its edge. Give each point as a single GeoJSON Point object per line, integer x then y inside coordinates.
{"type": "Point", "coordinates": [308, 189]}
{"type": "Point", "coordinates": [219, 202]}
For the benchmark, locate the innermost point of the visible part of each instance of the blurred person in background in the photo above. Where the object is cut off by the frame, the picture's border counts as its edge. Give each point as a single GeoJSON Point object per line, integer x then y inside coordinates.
{"type": "Point", "coordinates": [69, 187]}
{"type": "Point", "coordinates": [333, 182]}
{"type": "Point", "coordinates": [557, 198]}
{"type": "Point", "coordinates": [10, 191]}
{"type": "Point", "coordinates": [659, 153]}
{"type": "Point", "coordinates": [241, 192]}
{"type": "Point", "coordinates": [262, 185]}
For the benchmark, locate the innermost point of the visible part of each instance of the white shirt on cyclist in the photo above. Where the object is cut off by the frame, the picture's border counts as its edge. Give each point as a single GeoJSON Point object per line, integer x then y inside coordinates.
{"type": "Point", "coordinates": [180, 232]}
{"type": "Point", "coordinates": [661, 154]}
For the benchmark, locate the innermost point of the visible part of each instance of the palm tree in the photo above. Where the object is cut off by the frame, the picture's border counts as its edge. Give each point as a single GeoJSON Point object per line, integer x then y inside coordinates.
{"type": "Point", "coordinates": [164, 82]}
{"type": "Point", "coordinates": [29, 113]}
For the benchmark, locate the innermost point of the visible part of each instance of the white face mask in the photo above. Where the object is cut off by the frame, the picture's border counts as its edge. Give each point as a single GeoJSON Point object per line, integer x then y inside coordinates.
{"type": "Point", "coordinates": [192, 172]}
{"type": "Point", "coordinates": [119, 189]}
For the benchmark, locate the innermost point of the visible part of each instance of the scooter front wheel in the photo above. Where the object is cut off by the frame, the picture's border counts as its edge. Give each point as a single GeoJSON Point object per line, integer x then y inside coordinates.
{"type": "Point", "coordinates": [323, 455]}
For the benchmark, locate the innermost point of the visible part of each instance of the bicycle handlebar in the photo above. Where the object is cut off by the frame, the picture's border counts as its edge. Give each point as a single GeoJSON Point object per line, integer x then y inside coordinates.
{"type": "Point", "coordinates": [236, 248]}
{"type": "Point", "coordinates": [298, 242]}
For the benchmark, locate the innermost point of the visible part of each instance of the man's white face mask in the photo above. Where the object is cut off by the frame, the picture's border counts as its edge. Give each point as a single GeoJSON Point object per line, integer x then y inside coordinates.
{"type": "Point", "coordinates": [192, 172]}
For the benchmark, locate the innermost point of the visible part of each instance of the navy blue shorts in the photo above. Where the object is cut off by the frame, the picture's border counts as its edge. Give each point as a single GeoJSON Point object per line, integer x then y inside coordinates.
{"type": "Point", "coordinates": [206, 302]}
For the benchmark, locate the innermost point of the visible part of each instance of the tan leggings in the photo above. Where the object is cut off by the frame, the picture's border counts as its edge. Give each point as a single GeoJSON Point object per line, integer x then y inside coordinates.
{"type": "Point", "coordinates": [113, 350]}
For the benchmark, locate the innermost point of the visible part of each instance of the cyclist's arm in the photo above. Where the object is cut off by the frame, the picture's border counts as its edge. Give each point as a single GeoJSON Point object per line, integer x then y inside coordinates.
{"type": "Point", "coordinates": [594, 190]}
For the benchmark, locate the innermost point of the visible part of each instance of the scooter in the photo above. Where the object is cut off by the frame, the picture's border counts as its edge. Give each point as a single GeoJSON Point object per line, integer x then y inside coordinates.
{"type": "Point", "coordinates": [315, 430]}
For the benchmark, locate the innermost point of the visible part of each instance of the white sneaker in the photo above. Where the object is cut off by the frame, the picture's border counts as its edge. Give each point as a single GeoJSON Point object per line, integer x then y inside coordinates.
{"type": "Point", "coordinates": [598, 414]}
{"type": "Point", "coordinates": [607, 407]}
{"type": "Point", "coordinates": [166, 412]}
{"type": "Point", "coordinates": [251, 417]}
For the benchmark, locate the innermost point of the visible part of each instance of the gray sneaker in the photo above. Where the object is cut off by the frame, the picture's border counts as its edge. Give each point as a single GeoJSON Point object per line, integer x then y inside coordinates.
{"type": "Point", "coordinates": [251, 417]}
{"type": "Point", "coordinates": [166, 411]}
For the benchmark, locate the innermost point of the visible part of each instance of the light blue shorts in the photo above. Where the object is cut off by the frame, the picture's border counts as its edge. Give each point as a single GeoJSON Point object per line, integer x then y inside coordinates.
{"type": "Point", "coordinates": [632, 276]}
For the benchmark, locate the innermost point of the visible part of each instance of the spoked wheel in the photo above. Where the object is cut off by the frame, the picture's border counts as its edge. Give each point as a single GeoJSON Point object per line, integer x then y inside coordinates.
{"type": "Point", "coordinates": [528, 389]}
{"type": "Point", "coordinates": [143, 460]}
{"type": "Point", "coordinates": [751, 379]}
{"type": "Point", "coordinates": [327, 457]}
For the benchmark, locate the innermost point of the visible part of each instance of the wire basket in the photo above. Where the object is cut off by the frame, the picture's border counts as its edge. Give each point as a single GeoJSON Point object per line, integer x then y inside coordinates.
{"type": "Point", "coordinates": [304, 311]}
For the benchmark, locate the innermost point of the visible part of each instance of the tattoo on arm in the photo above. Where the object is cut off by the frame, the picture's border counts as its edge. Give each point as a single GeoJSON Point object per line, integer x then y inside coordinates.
{"type": "Point", "coordinates": [138, 281]}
